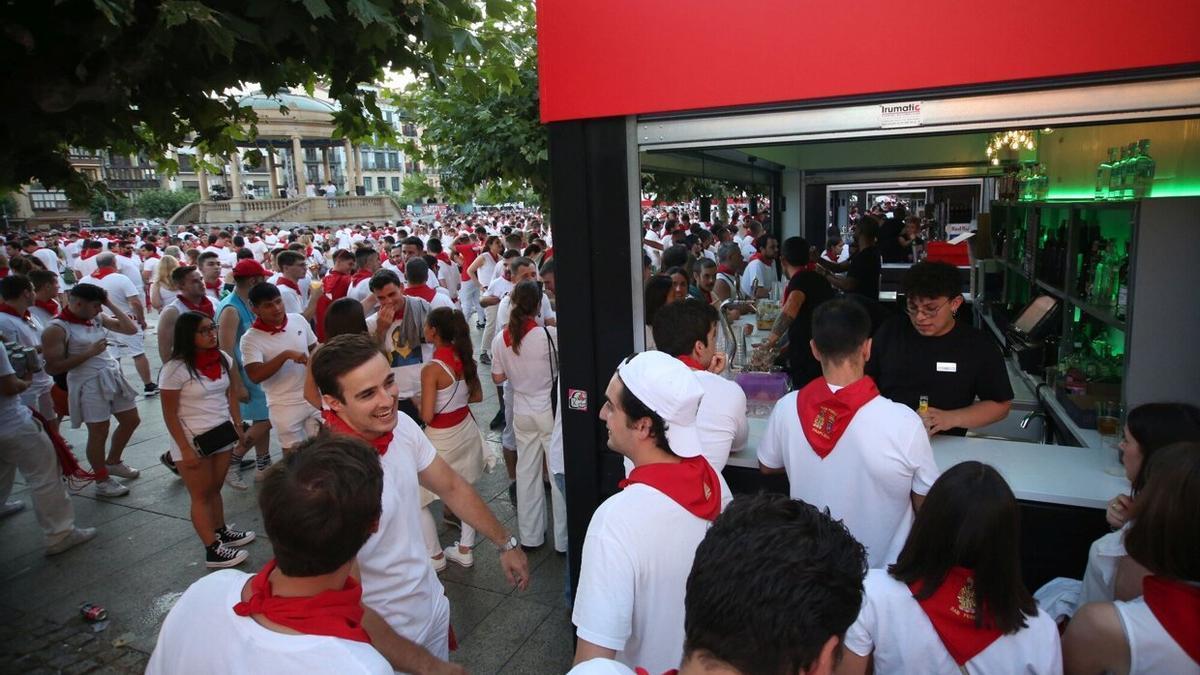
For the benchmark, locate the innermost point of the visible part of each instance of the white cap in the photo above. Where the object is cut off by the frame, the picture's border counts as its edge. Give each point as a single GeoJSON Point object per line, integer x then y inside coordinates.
{"type": "Point", "coordinates": [669, 388]}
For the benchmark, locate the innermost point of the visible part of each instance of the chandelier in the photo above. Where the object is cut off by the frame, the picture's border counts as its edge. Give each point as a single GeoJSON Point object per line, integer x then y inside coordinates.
{"type": "Point", "coordinates": [1014, 141]}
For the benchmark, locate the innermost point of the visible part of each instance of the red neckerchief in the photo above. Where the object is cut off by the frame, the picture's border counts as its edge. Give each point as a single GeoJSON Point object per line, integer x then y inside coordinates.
{"type": "Point", "coordinates": [214, 286]}
{"type": "Point", "coordinates": [88, 253]}
{"type": "Point", "coordinates": [824, 415]}
{"type": "Point", "coordinates": [4, 271]}
{"type": "Point", "coordinates": [690, 362]}
{"type": "Point", "coordinates": [208, 363]}
{"type": "Point", "coordinates": [6, 308]}
{"type": "Point", "coordinates": [725, 269]}
{"type": "Point", "coordinates": [70, 317]}
{"type": "Point", "coordinates": [49, 306]}
{"type": "Point", "coordinates": [952, 609]}
{"type": "Point", "coordinates": [284, 281]}
{"type": "Point", "coordinates": [339, 426]}
{"type": "Point", "coordinates": [420, 291]}
{"type": "Point", "coordinates": [549, 253]}
{"type": "Point", "coordinates": [333, 613]}
{"type": "Point", "coordinates": [153, 255]}
{"type": "Point", "coordinates": [452, 418]}
{"type": "Point", "coordinates": [757, 256]}
{"type": "Point", "coordinates": [1176, 605]}
{"type": "Point", "coordinates": [643, 671]}
{"type": "Point", "coordinates": [336, 284]}
{"type": "Point", "coordinates": [205, 306]}
{"type": "Point", "coordinates": [359, 276]}
{"type": "Point", "coordinates": [307, 251]}
{"type": "Point", "coordinates": [707, 296]}
{"type": "Point", "coordinates": [444, 258]}
{"type": "Point", "coordinates": [268, 328]}
{"type": "Point", "coordinates": [691, 483]}
{"type": "Point", "coordinates": [448, 356]}
{"type": "Point", "coordinates": [529, 325]}
{"type": "Point", "coordinates": [102, 272]}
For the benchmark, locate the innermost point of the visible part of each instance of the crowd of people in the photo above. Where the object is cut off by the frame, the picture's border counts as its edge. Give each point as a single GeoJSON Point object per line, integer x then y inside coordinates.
{"type": "Point", "coordinates": [351, 347]}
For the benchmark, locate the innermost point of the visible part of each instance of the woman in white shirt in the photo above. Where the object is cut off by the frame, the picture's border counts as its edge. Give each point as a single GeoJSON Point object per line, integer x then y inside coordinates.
{"type": "Point", "coordinates": [1158, 632]}
{"type": "Point", "coordinates": [525, 355]}
{"type": "Point", "coordinates": [954, 602]}
{"type": "Point", "coordinates": [203, 418]}
{"type": "Point", "coordinates": [162, 289]}
{"type": "Point", "coordinates": [449, 382]}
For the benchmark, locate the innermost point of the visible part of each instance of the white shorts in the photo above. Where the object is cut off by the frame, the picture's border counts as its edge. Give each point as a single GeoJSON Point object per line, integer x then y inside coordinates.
{"type": "Point", "coordinates": [43, 403]}
{"type": "Point", "coordinates": [122, 346]}
{"type": "Point", "coordinates": [294, 423]}
{"type": "Point", "coordinates": [94, 406]}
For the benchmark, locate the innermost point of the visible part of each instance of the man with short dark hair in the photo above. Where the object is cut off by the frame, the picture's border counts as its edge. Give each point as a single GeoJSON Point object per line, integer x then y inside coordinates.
{"type": "Point", "coordinates": [845, 447]}
{"type": "Point", "coordinates": [805, 291]}
{"type": "Point", "coordinates": [416, 272]}
{"type": "Point", "coordinates": [366, 261]}
{"type": "Point", "coordinates": [640, 542]}
{"type": "Point", "coordinates": [334, 286]}
{"type": "Point", "coordinates": [783, 613]}
{"type": "Point", "coordinates": [209, 263]}
{"type": "Point", "coordinates": [293, 284]}
{"type": "Point", "coordinates": [760, 276]}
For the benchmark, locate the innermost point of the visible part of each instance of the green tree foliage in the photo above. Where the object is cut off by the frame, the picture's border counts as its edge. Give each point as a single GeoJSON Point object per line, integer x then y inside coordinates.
{"type": "Point", "coordinates": [101, 200]}
{"type": "Point", "coordinates": [480, 118]}
{"type": "Point", "coordinates": [415, 189]}
{"type": "Point", "coordinates": [142, 76]}
{"type": "Point", "coordinates": [163, 203]}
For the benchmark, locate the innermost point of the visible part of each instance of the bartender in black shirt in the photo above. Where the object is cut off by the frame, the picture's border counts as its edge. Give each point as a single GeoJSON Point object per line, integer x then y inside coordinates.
{"type": "Point", "coordinates": [862, 270]}
{"type": "Point", "coordinates": [931, 353]}
{"type": "Point", "coordinates": [806, 290]}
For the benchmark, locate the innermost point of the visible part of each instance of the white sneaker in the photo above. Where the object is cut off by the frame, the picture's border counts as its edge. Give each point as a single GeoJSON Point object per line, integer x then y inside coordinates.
{"type": "Point", "coordinates": [76, 537]}
{"type": "Point", "coordinates": [10, 507]}
{"type": "Point", "coordinates": [439, 564]}
{"type": "Point", "coordinates": [123, 470]}
{"type": "Point", "coordinates": [233, 478]}
{"type": "Point", "coordinates": [458, 557]}
{"type": "Point", "coordinates": [110, 488]}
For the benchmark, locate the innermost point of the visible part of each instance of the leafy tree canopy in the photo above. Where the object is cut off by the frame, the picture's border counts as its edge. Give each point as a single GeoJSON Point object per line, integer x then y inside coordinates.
{"type": "Point", "coordinates": [415, 189]}
{"type": "Point", "coordinates": [163, 203]}
{"type": "Point", "coordinates": [141, 76]}
{"type": "Point", "coordinates": [479, 115]}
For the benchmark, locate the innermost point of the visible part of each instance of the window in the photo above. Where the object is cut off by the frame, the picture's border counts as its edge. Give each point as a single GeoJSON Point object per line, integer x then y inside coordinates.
{"type": "Point", "coordinates": [408, 167]}
{"type": "Point", "coordinates": [312, 175]}
{"type": "Point", "coordinates": [48, 200]}
{"type": "Point", "coordinates": [387, 116]}
{"type": "Point", "coordinates": [380, 160]}
{"type": "Point", "coordinates": [409, 129]}
{"type": "Point", "coordinates": [393, 160]}
{"type": "Point", "coordinates": [381, 183]}
{"type": "Point", "coordinates": [367, 186]}
{"type": "Point", "coordinates": [310, 154]}
{"type": "Point", "coordinates": [185, 164]}
{"type": "Point", "coordinates": [395, 184]}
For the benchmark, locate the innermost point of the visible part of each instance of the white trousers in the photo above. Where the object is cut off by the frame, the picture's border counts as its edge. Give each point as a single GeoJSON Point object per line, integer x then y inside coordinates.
{"type": "Point", "coordinates": [27, 448]}
{"type": "Point", "coordinates": [533, 442]}
{"type": "Point", "coordinates": [558, 509]}
{"type": "Point", "coordinates": [489, 331]}
{"type": "Point", "coordinates": [468, 298]}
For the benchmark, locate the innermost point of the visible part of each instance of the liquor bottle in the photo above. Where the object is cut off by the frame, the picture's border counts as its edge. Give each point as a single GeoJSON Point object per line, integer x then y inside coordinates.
{"type": "Point", "coordinates": [1123, 289]}
{"type": "Point", "coordinates": [1143, 170]}
{"type": "Point", "coordinates": [1129, 172]}
{"type": "Point", "coordinates": [1104, 174]}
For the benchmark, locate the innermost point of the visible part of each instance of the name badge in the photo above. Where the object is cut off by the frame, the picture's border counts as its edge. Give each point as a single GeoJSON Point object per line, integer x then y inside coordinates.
{"type": "Point", "coordinates": [947, 367]}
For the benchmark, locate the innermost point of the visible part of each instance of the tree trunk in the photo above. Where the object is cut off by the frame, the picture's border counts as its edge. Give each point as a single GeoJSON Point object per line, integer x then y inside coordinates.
{"type": "Point", "coordinates": [723, 210]}
{"type": "Point", "coordinates": [705, 209]}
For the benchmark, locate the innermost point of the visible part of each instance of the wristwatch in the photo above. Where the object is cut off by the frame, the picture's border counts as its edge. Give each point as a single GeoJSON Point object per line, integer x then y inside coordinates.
{"type": "Point", "coordinates": [508, 545]}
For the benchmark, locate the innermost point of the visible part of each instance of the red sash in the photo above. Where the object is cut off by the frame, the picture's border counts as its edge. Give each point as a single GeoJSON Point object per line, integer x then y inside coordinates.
{"type": "Point", "coordinates": [205, 306]}
{"type": "Point", "coordinates": [268, 328]}
{"type": "Point", "coordinates": [333, 613]}
{"type": "Point", "coordinates": [420, 291]}
{"type": "Point", "coordinates": [825, 415]}
{"type": "Point", "coordinates": [452, 418]}
{"type": "Point", "coordinates": [951, 609]}
{"type": "Point", "coordinates": [529, 325]}
{"type": "Point", "coordinates": [1176, 605]}
{"type": "Point", "coordinates": [102, 272]}
{"type": "Point", "coordinates": [49, 306]}
{"type": "Point", "coordinates": [9, 309]}
{"type": "Point", "coordinates": [284, 281]}
{"type": "Point", "coordinates": [691, 483]}
{"type": "Point", "coordinates": [208, 363]}
{"type": "Point", "coordinates": [70, 317]}
{"type": "Point", "coordinates": [690, 362]}
{"type": "Point", "coordinates": [338, 426]}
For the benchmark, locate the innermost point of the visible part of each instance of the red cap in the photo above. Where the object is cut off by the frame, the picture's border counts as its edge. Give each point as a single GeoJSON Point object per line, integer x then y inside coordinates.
{"type": "Point", "coordinates": [249, 268]}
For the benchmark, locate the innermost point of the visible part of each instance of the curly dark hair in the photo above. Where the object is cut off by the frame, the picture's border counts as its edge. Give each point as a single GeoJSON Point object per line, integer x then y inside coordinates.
{"type": "Point", "coordinates": [930, 280]}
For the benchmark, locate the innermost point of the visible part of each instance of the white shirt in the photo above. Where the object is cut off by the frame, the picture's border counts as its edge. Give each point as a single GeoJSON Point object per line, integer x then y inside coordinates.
{"type": "Point", "coordinates": [203, 617]}
{"type": "Point", "coordinates": [448, 277]}
{"type": "Point", "coordinates": [441, 298]}
{"type": "Point", "coordinates": [505, 308]}
{"type": "Point", "coordinates": [27, 333]}
{"type": "Point", "coordinates": [360, 290]}
{"type": "Point", "coordinates": [43, 317]}
{"type": "Point", "coordinates": [760, 271]}
{"type": "Point", "coordinates": [600, 666]}
{"type": "Point", "coordinates": [85, 267]}
{"type": "Point", "coordinates": [529, 372]}
{"type": "Point", "coordinates": [866, 481]}
{"type": "Point", "coordinates": [407, 368]}
{"type": "Point", "coordinates": [892, 625]}
{"type": "Point", "coordinates": [203, 403]}
{"type": "Point", "coordinates": [292, 304]}
{"type": "Point", "coordinates": [398, 581]}
{"type": "Point", "coordinates": [120, 290]}
{"type": "Point", "coordinates": [51, 260]}
{"type": "Point", "coordinates": [499, 287]}
{"type": "Point", "coordinates": [286, 386]}
{"type": "Point", "coordinates": [132, 270]}
{"type": "Point", "coordinates": [636, 559]}
{"type": "Point", "coordinates": [13, 411]}
{"type": "Point", "coordinates": [1151, 648]}
{"type": "Point", "coordinates": [149, 265]}
{"type": "Point", "coordinates": [721, 419]}
{"type": "Point", "coordinates": [488, 269]}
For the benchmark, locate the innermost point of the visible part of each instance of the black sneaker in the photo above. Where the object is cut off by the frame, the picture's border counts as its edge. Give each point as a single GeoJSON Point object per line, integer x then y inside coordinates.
{"type": "Point", "coordinates": [166, 460]}
{"type": "Point", "coordinates": [485, 359]}
{"type": "Point", "coordinates": [481, 326]}
{"type": "Point", "coordinates": [151, 389]}
{"type": "Point", "coordinates": [231, 537]}
{"type": "Point", "coordinates": [219, 556]}
{"type": "Point", "coordinates": [247, 463]}
{"type": "Point", "coordinates": [497, 423]}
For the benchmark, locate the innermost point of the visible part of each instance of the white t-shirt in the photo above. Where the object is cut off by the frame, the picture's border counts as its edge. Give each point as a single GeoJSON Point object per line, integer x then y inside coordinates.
{"type": "Point", "coordinates": [120, 290]}
{"type": "Point", "coordinates": [27, 333]}
{"type": "Point", "coordinates": [529, 372]}
{"type": "Point", "coordinates": [1152, 650]}
{"type": "Point", "coordinates": [398, 581]}
{"type": "Point", "coordinates": [359, 291]}
{"type": "Point", "coordinates": [487, 269]}
{"type": "Point", "coordinates": [149, 265]}
{"type": "Point", "coordinates": [51, 260]}
{"type": "Point", "coordinates": [202, 634]}
{"type": "Point", "coordinates": [721, 419]}
{"type": "Point", "coordinates": [893, 625]}
{"type": "Point", "coordinates": [286, 386]}
{"type": "Point", "coordinates": [292, 304]}
{"type": "Point", "coordinates": [499, 287]}
{"type": "Point", "coordinates": [13, 411]}
{"type": "Point", "coordinates": [406, 366]}
{"type": "Point", "coordinates": [760, 271]}
{"type": "Point", "coordinates": [203, 403]}
{"type": "Point", "coordinates": [505, 308]}
{"type": "Point", "coordinates": [866, 481]}
{"type": "Point", "coordinates": [85, 267]}
{"type": "Point", "coordinates": [601, 667]}
{"type": "Point", "coordinates": [441, 298]}
{"type": "Point", "coordinates": [132, 269]}
{"type": "Point", "coordinates": [636, 559]}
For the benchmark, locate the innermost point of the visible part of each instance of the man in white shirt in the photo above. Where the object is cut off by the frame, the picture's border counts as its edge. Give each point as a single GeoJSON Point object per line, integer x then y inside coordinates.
{"type": "Point", "coordinates": [416, 272]}
{"type": "Point", "coordinates": [18, 325]}
{"type": "Point", "coordinates": [493, 289]}
{"type": "Point", "coordinates": [760, 276]}
{"type": "Point", "coordinates": [47, 254]}
{"type": "Point", "coordinates": [521, 269]}
{"type": "Point", "coordinates": [399, 329]}
{"type": "Point", "coordinates": [323, 627]}
{"type": "Point", "coordinates": [846, 447]}
{"type": "Point", "coordinates": [782, 613]}
{"type": "Point", "coordinates": [294, 285]}
{"type": "Point", "coordinates": [640, 542]}
{"type": "Point", "coordinates": [366, 262]}
{"type": "Point", "coordinates": [87, 258]}
{"type": "Point", "coordinates": [447, 271]}
{"type": "Point", "coordinates": [149, 259]}
{"type": "Point", "coordinates": [210, 269]}
{"type": "Point", "coordinates": [687, 330]}
{"type": "Point", "coordinates": [122, 292]}
{"type": "Point", "coordinates": [275, 352]}
{"type": "Point", "coordinates": [358, 391]}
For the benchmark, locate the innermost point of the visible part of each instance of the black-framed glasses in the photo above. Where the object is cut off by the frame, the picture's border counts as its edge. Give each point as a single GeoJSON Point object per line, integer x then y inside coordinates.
{"type": "Point", "coordinates": [913, 310]}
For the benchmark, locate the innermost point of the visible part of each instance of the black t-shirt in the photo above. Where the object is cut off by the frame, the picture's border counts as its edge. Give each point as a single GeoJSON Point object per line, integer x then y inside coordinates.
{"type": "Point", "coordinates": [952, 370]}
{"type": "Point", "coordinates": [801, 363]}
{"type": "Point", "coordinates": [865, 267]}
{"type": "Point", "coordinates": [889, 241]}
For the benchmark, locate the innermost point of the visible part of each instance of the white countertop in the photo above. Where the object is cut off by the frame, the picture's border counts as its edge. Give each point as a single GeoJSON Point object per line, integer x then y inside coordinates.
{"type": "Point", "coordinates": [1051, 474]}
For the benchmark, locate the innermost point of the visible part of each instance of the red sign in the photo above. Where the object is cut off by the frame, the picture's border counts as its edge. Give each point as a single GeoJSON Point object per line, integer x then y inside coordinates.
{"type": "Point", "coordinates": [600, 58]}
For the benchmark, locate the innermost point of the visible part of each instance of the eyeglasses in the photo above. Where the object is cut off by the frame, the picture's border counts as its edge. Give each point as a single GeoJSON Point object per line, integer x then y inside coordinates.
{"type": "Point", "coordinates": [928, 312]}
